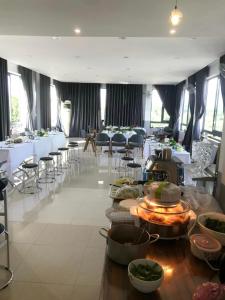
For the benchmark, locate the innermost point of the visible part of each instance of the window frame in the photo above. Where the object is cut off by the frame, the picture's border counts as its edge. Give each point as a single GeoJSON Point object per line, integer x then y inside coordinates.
{"type": "Point", "coordinates": [214, 132]}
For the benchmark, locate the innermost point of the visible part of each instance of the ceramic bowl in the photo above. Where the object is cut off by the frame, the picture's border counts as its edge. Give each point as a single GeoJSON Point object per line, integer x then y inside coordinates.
{"type": "Point", "coordinates": [142, 285]}
{"type": "Point", "coordinates": [212, 215]}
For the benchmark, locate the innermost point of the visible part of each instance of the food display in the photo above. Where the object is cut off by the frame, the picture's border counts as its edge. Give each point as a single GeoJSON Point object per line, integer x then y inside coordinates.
{"type": "Point", "coordinates": [209, 291]}
{"type": "Point", "coordinates": [123, 180]}
{"type": "Point", "coordinates": [215, 225]}
{"type": "Point", "coordinates": [127, 192]}
{"type": "Point", "coordinates": [146, 272]}
{"type": "Point", "coordinates": [163, 192]}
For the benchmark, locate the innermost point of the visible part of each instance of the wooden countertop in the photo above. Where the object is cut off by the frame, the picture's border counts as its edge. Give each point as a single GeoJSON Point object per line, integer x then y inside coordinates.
{"type": "Point", "coordinates": [183, 273]}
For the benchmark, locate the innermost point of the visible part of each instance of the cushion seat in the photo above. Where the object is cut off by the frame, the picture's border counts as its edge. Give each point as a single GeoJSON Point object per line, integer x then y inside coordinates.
{"type": "Point", "coordinates": [29, 166]}
{"type": "Point", "coordinates": [133, 165]}
{"type": "Point", "coordinates": [46, 158]}
{"type": "Point", "coordinates": [102, 143]}
{"type": "Point", "coordinates": [63, 149]}
{"type": "Point", "coordinates": [55, 153]}
{"type": "Point", "coordinates": [126, 158]}
{"type": "Point", "coordinates": [122, 151]}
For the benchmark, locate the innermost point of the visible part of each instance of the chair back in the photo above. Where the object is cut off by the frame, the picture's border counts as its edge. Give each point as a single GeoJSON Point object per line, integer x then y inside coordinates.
{"type": "Point", "coordinates": [119, 138]}
{"type": "Point", "coordinates": [140, 131]}
{"type": "Point", "coordinates": [102, 137]}
{"type": "Point", "coordinates": [137, 139]}
{"type": "Point", "coordinates": [83, 133]}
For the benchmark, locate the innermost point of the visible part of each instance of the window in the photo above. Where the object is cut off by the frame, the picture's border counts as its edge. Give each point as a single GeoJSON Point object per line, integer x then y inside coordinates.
{"type": "Point", "coordinates": [103, 102]}
{"type": "Point", "coordinates": [19, 116]}
{"type": "Point", "coordinates": [213, 119]}
{"type": "Point", "coordinates": [159, 116]}
{"type": "Point", "coordinates": [185, 110]}
{"type": "Point", "coordinates": [54, 106]}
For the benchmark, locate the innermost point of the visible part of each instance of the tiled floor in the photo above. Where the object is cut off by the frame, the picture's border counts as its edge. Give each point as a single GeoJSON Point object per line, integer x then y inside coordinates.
{"type": "Point", "coordinates": [56, 251]}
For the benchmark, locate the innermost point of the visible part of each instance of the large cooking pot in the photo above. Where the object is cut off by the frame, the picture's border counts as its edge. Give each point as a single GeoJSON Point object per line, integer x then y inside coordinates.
{"type": "Point", "coordinates": [127, 242]}
{"type": "Point", "coordinates": [168, 222]}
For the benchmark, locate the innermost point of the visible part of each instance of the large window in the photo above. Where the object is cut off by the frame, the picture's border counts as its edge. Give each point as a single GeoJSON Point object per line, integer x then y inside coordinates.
{"type": "Point", "coordinates": [185, 110]}
{"type": "Point", "coordinates": [159, 116]}
{"type": "Point", "coordinates": [19, 116]}
{"type": "Point", "coordinates": [54, 106]}
{"type": "Point", "coordinates": [213, 119]}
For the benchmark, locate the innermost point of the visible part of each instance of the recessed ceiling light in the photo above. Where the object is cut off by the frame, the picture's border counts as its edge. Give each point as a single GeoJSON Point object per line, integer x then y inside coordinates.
{"type": "Point", "coordinates": [172, 31]}
{"type": "Point", "coordinates": [77, 30]}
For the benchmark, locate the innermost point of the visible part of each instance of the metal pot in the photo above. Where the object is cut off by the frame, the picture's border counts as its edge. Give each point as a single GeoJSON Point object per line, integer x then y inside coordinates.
{"type": "Point", "coordinates": [127, 242]}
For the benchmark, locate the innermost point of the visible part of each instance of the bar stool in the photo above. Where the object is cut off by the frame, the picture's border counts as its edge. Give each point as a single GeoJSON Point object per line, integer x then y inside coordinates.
{"type": "Point", "coordinates": [4, 233]}
{"type": "Point", "coordinates": [49, 170]}
{"type": "Point", "coordinates": [64, 159]}
{"type": "Point", "coordinates": [30, 187]}
{"type": "Point", "coordinates": [72, 152]}
{"type": "Point", "coordinates": [126, 160]}
{"type": "Point", "coordinates": [120, 152]}
{"type": "Point", "coordinates": [57, 158]}
{"type": "Point", "coordinates": [134, 167]}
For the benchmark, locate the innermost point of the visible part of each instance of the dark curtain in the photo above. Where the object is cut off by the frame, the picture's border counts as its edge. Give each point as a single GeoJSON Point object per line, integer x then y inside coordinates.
{"type": "Point", "coordinates": [58, 86]}
{"type": "Point", "coordinates": [176, 114]}
{"type": "Point", "coordinates": [45, 101]}
{"type": "Point", "coordinates": [167, 94]}
{"type": "Point", "coordinates": [222, 77]}
{"type": "Point", "coordinates": [200, 81]}
{"type": "Point", "coordinates": [124, 105]}
{"type": "Point", "coordinates": [4, 101]}
{"type": "Point", "coordinates": [187, 142]}
{"type": "Point", "coordinates": [27, 79]}
{"type": "Point", "coordinates": [85, 105]}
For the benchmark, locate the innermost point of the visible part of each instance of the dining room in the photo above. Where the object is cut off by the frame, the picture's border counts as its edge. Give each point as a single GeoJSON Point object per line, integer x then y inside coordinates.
{"type": "Point", "coordinates": [112, 142]}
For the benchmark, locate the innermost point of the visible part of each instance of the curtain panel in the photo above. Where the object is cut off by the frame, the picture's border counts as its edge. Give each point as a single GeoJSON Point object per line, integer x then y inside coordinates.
{"type": "Point", "coordinates": [85, 105]}
{"type": "Point", "coordinates": [167, 94]}
{"type": "Point", "coordinates": [222, 77]}
{"type": "Point", "coordinates": [200, 83]}
{"type": "Point", "coordinates": [27, 79]}
{"type": "Point", "coordinates": [4, 101]}
{"type": "Point", "coordinates": [45, 101]}
{"type": "Point", "coordinates": [124, 105]}
{"type": "Point", "coordinates": [177, 109]}
{"type": "Point", "coordinates": [58, 87]}
{"type": "Point", "coordinates": [187, 142]}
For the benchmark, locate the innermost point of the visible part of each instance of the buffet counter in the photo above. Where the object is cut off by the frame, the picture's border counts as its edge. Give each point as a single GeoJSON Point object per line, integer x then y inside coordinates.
{"type": "Point", "coordinates": [182, 274]}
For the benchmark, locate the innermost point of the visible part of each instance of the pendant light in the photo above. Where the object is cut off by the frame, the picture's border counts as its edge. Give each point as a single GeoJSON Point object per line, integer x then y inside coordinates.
{"type": "Point", "coordinates": [176, 16]}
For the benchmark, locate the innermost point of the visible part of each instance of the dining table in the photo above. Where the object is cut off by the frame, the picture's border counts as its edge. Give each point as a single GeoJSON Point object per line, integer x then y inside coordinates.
{"type": "Point", "coordinates": [15, 154]}
{"type": "Point", "coordinates": [150, 146]}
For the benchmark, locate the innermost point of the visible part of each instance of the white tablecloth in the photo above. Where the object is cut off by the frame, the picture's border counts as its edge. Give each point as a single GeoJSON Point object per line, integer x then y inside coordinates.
{"type": "Point", "coordinates": [127, 134]}
{"type": "Point", "coordinates": [15, 155]}
{"type": "Point", "coordinates": [37, 148]}
{"type": "Point", "coordinates": [150, 146]}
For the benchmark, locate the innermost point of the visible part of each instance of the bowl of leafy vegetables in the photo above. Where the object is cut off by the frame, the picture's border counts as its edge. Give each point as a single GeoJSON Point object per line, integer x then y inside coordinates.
{"type": "Point", "coordinates": [213, 224]}
{"type": "Point", "coordinates": [145, 275]}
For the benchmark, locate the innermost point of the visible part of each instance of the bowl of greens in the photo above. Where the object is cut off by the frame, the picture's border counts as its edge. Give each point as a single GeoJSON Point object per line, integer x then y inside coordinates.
{"type": "Point", "coordinates": [145, 275]}
{"type": "Point", "coordinates": [213, 224]}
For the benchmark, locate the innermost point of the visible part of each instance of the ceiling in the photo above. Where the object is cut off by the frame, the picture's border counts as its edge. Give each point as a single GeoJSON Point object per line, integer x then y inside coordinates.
{"type": "Point", "coordinates": [133, 18]}
{"type": "Point", "coordinates": [148, 54]}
